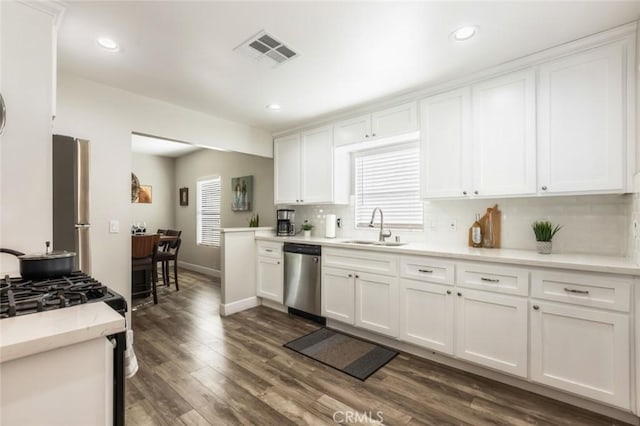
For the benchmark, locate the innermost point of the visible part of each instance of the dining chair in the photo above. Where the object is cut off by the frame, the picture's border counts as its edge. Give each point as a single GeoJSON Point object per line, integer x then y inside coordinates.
{"type": "Point", "coordinates": [170, 253]}
{"type": "Point", "coordinates": [144, 252]}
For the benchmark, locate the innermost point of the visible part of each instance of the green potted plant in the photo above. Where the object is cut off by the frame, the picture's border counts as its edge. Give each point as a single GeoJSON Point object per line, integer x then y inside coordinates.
{"type": "Point", "coordinates": [544, 231]}
{"type": "Point", "coordinates": [306, 228]}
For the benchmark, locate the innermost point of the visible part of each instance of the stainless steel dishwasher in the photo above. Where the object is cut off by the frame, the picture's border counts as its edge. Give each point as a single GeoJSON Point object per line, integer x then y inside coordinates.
{"type": "Point", "coordinates": [302, 278]}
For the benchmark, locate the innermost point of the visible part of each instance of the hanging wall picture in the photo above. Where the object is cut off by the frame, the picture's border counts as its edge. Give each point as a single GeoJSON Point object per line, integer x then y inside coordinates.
{"type": "Point", "coordinates": [184, 196]}
{"type": "Point", "coordinates": [242, 193]}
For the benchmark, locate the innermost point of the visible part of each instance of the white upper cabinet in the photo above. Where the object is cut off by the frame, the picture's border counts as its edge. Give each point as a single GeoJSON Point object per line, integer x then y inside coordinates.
{"type": "Point", "coordinates": [286, 156]}
{"type": "Point", "coordinates": [308, 171]}
{"type": "Point", "coordinates": [581, 115]}
{"type": "Point", "coordinates": [504, 137]}
{"type": "Point", "coordinates": [381, 124]}
{"type": "Point", "coordinates": [317, 165]}
{"type": "Point", "coordinates": [352, 130]}
{"type": "Point", "coordinates": [445, 127]}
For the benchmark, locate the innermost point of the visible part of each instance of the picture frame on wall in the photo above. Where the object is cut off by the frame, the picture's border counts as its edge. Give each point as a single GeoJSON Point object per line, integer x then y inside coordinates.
{"type": "Point", "coordinates": [242, 192]}
{"type": "Point", "coordinates": [184, 196]}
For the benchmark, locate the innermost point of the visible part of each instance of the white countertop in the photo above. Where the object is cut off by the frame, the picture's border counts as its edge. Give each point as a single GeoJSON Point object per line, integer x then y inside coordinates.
{"type": "Point", "coordinates": [258, 228]}
{"type": "Point", "coordinates": [43, 331]}
{"type": "Point", "coordinates": [582, 262]}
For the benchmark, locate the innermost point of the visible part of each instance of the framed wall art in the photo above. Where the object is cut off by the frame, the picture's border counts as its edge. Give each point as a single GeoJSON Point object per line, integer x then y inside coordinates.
{"type": "Point", "coordinates": [242, 193]}
{"type": "Point", "coordinates": [184, 196]}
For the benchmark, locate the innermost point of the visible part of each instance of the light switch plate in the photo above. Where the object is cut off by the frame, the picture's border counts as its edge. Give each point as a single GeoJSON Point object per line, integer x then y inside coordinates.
{"type": "Point", "coordinates": [114, 226]}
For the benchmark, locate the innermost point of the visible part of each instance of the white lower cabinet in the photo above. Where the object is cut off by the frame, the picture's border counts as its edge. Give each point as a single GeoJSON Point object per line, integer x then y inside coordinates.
{"type": "Point", "coordinates": [377, 303]}
{"type": "Point", "coordinates": [270, 284]}
{"type": "Point", "coordinates": [369, 301]}
{"type": "Point", "coordinates": [581, 350]}
{"type": "Point", "coordinates": [426, 315]}
{"type": "Point", "coordinates": [491, 330]}
{"type": "Point", "coordinates": [566, 336]}
{"type": "Point", "coordinates": [338, 295]}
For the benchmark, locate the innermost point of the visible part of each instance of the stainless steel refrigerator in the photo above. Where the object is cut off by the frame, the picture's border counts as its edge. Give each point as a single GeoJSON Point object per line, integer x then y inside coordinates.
{"type": "Point", "coordinates": [71, 224]}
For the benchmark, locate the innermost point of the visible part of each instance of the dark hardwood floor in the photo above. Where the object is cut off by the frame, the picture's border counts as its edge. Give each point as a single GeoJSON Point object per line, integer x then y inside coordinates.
{"type": "Point", "coordinates": [197, 368]}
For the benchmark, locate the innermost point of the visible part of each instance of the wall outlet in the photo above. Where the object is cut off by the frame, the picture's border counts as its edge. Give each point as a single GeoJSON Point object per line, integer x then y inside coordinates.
{"type": "Point", "coordinates": [453, 225]}
{"type": "Point", "coordinates": [114, 226]}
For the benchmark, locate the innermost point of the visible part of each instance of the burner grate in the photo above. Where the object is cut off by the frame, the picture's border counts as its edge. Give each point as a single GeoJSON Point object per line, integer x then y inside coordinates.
{"type": "Point", "coordinates": [19, 296]}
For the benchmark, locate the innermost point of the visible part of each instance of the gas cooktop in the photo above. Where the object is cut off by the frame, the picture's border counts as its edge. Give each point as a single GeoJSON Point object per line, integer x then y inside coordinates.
{"type": "Point", "coordinates": [21, 297]}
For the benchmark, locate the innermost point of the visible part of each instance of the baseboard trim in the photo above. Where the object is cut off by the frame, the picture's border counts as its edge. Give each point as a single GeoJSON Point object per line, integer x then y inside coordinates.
{"type": "Point", "coordinates": [201, 269]}
{"type": "Point", "coordinates": [616, 413]}
{"type": "Point", "coordinates": [238, 306]}
{"type": "Point", "coordinates": [274, 305]}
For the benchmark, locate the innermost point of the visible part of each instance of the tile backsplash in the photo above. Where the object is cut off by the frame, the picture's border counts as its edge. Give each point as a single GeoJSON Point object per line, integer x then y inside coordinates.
{"type": "Point", "coordinates": [596, 224]}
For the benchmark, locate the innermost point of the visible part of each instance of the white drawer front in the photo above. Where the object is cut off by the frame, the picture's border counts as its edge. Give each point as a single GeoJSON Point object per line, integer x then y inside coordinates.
{"type": "Point", "coordinates": [269, 249]}
{"type": "Point", "coordinates": [360, 260]}
{"type": "Point", "coordinates": [497, 278]}
{"type": "Point", "coordinates": [427, 269]}
{"type": "Point", "coordinates": [595, 290]}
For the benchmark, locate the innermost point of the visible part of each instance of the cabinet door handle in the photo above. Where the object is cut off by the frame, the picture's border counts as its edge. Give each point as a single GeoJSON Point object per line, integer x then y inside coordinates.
{"type": "Point", "coordinates": [570, 290]}
{"type": "Point", "coordinates": [268, 250]}
{"type": "Point", "coordinates": [536, 307]}
{"type": "Point", "coordinates": [357, 276]}
{"type": "Point", "coordinates": [464, 192]}
{"type": "Point", "coordinates": [448, 291]}
{"type": "Point", "coordinates": [3, 114]}
{"type": "Point", "coordinates": [459, 294]}
{"type": "Point", "coordinates": [490, 280]}
{"type": "Point", "coordinates": [426, 271]}
{"type": "Point", "coordinates": [278, 262]}
{"type": "Point", "coordinates": [366, 136]}
{"type": "Point", "coordinates": [475, 192]}
{"type": "Point", "coordinates": [373, 134]}
{"type": "Point", "coordinates": [350, 275]}
{"type": "Point", "coordinates": [544, 188]}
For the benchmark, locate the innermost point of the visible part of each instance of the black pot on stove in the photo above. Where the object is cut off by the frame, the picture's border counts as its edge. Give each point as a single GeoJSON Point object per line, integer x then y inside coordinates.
{"type": "Point", "coordinates": [44, 265]}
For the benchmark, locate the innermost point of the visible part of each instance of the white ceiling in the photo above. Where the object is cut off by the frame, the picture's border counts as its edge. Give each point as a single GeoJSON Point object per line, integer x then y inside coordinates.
{"type": "Point", "coordinates": [142, 144]}
{"type": "Point", "coordinates": [351, 53]}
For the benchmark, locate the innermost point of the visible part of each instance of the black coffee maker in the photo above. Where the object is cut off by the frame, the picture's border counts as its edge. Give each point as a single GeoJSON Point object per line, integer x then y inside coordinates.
{"type": "Point", "coordinates": [286, 225]}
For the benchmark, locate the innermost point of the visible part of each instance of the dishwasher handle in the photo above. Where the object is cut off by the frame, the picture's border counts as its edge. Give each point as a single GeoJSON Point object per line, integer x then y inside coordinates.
{"type": "Point", "coordinates": [308, 249]}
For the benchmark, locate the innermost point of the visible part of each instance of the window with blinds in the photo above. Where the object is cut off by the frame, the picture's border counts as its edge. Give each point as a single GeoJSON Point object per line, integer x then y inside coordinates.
{"type": "Point", "coordinates": [208, 211]}
{"type": "Point", "coordinates": [389, 178]}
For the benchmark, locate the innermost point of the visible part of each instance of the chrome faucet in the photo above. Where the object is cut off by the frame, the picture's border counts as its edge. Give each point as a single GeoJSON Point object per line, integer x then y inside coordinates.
{"type": "Point", "coordinates": [383, 234]}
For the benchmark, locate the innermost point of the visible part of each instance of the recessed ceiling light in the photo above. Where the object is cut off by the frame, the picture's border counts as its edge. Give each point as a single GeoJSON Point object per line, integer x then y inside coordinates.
{"type": "Point", "coordinates": [108, 44]}
{"type": "Point", "coordinates": [464, 33]}
{"type": "Point", "coordinates": [273, 107]}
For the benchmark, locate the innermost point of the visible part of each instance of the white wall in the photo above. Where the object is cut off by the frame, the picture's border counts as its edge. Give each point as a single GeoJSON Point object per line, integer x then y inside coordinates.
{"type": "Point", "coordinates": [591, 224]}
{"type": "Point", "coordinates": [159, 173]}
{"type": "Point", "coordinates": [107, 116]}
{"type": "Point", "coordinates": [25, 148]}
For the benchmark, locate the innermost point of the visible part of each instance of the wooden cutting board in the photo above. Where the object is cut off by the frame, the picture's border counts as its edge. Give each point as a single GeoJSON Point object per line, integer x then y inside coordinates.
{"type": "Point", "coordinates": [496, 216]}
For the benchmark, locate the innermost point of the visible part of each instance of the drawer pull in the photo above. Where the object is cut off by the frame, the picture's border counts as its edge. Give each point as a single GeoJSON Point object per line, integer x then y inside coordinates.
{"type": "Point", "coordinates": [570, 290]}
{"type": "Point", "coordinates": [426, 271]}
{"type": "Point", "coordinates": [490, 280]}
{"type": "Point", "coordinates": [268, 250]}
{"type": "Point", "coordinates": [448, 291]}
{"type": "Point", "coordinates": [536, 307]}
{"type": "Point", "coordinates": [350, 275]}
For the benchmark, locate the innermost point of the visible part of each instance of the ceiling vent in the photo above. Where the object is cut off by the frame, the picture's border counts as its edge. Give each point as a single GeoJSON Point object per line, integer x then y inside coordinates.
{"type": "Point", "coordinates": [265, 47]}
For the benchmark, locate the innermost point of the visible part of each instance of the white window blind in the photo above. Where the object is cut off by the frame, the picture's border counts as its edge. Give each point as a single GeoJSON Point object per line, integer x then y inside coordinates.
{"type": "Point", "coordinates": [208, 211]}
{"type": "Point", "coordinates": [389, 178]}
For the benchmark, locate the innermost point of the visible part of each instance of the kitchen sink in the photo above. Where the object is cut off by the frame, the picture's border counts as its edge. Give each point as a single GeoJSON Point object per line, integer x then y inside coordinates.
{"type": "Point", "coordinates": [375, 243]}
